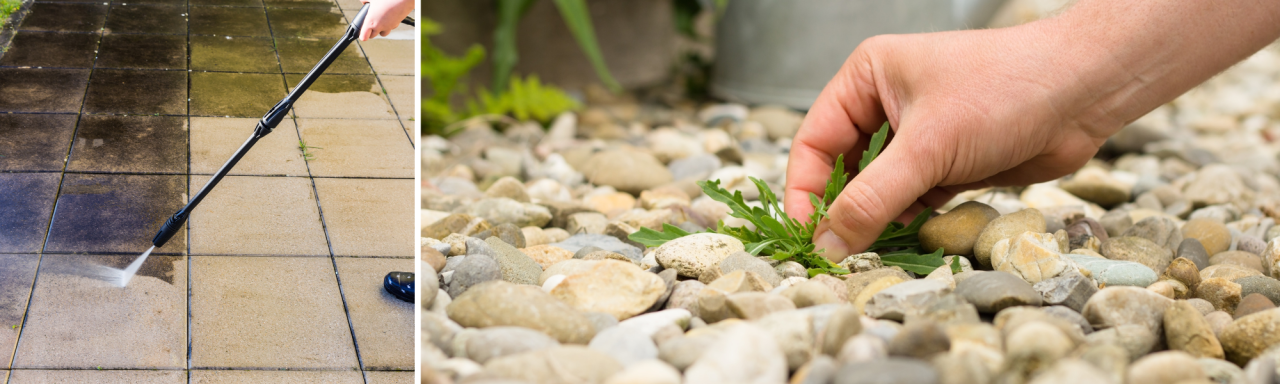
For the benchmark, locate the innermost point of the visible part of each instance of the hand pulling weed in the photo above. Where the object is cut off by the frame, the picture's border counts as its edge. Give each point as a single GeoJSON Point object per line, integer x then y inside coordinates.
{"type": "Point", "coordinates": [785, 238]}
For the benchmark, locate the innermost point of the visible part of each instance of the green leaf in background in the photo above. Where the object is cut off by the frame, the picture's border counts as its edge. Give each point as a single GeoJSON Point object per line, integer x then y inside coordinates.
{"type": "Point", "coordinates": [910, 261]}
{"type": "Point", "coordinates": [686, 12]}
{"type": "Point", "coordinates": [651, 238]}
{"type": "Point", "coordinates": [504, 41]}
{"type": "Point", "coordinates": [579, 22]}
{"type": "Point", "coordinates": [873, 148]}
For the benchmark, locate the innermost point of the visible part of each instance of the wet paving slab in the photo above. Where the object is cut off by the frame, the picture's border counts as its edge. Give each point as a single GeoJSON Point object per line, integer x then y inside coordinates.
{"type": "Point", "coordinates": [299, 55]}
{"type": "Point", "coordinates": [130, 144]}
{"type": "Point", "coordinates": [26, 202]}
{"type": "Point", "coordinates": [358, 148]}
{"type": "Point", "coordinates": [306, 22]}
{"type": "Point", "coordinates": [233, 54]}
{"type": "Point", "coordinates": [17, 274]}
{"type": "Point", "coordinates": [51, 49]}
{"type": "Point", "coordinates": [127, 51]}
{"type": "Point", "coordinates": [123, 91]}
{"type": "Point", "coordinates": [104, 213]}
{"type": "Point", "coordinates": [97, 376]}
{"type": "Point", "coordinates": [65, 17]}
{"type": "Point", "coordinates": [133, 17]}
{"type": "Point", "coordinates": [299, 3]}
{"type": "Point", "coordinates": [234, 94]}
{"type": "Point", "coordinates": [35, 142]}
{"type": "Point", "coordinates": [228, 21]}
{"type": "Point", "coordinates": [250, 215]}
{"type": "Point", "coordinates": [215, 139]}
{"type": "Point", "coordinates": [343, 96]}
{"type": "Point", "coordinates": [383, 324]}
{"type": "Point", "coordinates": [368, 217]}
{"type": "Point", "coordinates": [42, 90]}
{"type": "Point", "coordinates": [229, 3]}
{"type": "Point", "coordinates": [257, 376]}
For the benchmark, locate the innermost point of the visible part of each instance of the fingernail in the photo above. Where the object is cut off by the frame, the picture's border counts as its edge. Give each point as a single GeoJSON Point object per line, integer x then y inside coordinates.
{"type": "Point", "coordinates": [833, 247]}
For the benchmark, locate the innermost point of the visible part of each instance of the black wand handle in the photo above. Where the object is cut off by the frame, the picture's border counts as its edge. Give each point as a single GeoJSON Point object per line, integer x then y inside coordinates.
{"type": "Point", "coordinates": [268, 123]}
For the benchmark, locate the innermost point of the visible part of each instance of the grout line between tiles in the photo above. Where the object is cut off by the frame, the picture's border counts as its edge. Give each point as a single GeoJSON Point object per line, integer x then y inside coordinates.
{"type": "Point", "coordinates": [190, 323]}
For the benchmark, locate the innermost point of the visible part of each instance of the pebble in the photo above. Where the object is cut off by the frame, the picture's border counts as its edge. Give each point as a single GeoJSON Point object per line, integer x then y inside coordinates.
{"type": "Point", "coordinates": [793, 331]}
{"type": "Point", "coordinates": [455, 223]}
{"type": "Point", "coordinates": [855, 283]}
{"type": "Point", "coordinates": [1193, 250]}
{"type": "Point", "coordinates": [893, 370]}
{"type": "Point", "coordinates": [1251, 304]}
{"type": "Point", "coordinates": [434, 258]}
{"type": "Point", "coordinates": [909, 297]}
{"type": "Point", "coordinates": [820, 370]}
{"type": "Point", "coordinates": [617, 288]}
{"type": "Point", "coordinates": [863, 347]}
{"type": "Point", "coordinates": [586, 222]}
{"type": "Point", "coordinates": [1115, 306]}
{"type": "Point", "coordinates": [788, 269]}
{"type": "Point", "coordinates": [1135, 340]}
{"type": "Point", "coordinates": [646, 372]}
{"type": "Point", "coordinates": [1164, 367]}
{"type": "Point", "coordinates": [684, 295]}
{"type": "Point", "coordinates": [1266, 286]}
{"type": "Point", "coordinates": [1221, 371]}
{"type": "Point", "coordinates": [498, 303]}
{"type": "Point", "coordinates": [1033, 344]}
{"type": "Point", "coordinates": [991, 292]}
{"type": "Point", "coordinates": [844, 323]}
{"type": "Point", "coordinates": [472, 271]}
{"type": "Point", "coordinates": [1004, 227]}
{"type": "Point", "coordinates": [494, 342]}
{"type": "Point", "coordinates": [1222, 293]}
{"type": "Point", "coordinates": [1139, 250]}
{"type": "Point", "coordinates": [755, 305]}
{"type": "Point", "coordinates": [957, 230]}
{"type": "Point", "coordinates": [1096, 185]}
{"type": "Point", "coordinates": [1184, 271]}
{"type": "Point", "coordinates": [744, 354]}
{"type": "Point", "coordinates": [609, 243]}
{"type": "Point", "coordinates": [547, 255]}
{"type": "Point", "coordinates": [1071, 371]}
{"type": "Point", "coordinates": [1217, 184]}
{"type": "Point", "coordinates": [862, 262]}
{"type": "Point", "coordinates": [1115, 272]}
{"type": "Point", "coordinates": [691, 255]}
{"type": "Point", "coordinates": [1271, 257]}
{"type": "Point", "coordinates": [503, 210]}
{"type": "Point", "coordinates": [1161, 230]}
{"type": "Point", "coordinates": [624, 345]}
{"type": "Point", "coordinates": [628, 170]}
{"type": "Point", "coordinates": [1033, 257]}
{"type": "Point", "coordinates": [562, 364]}
{"type": "Point", "coordinates": [516, 267]}
{"type": "Point", "coordinates": [921, 340]}
{"type": "Point", "coordinates": [508, 187]}
{"type": "Point", "coordinates": [742, 261]}
{"type": "Point", "coordinates": [1070, 289]}
{"type": "Point", "coordinates": [1115, 221]}
{"type": "Point", "coordinates": [696, 166]}
{"type": "Point", "coordinates": [1186, 330]}
{"type": "Point", "coordinates": [1227, 271]}
{"type": "Point", "coordinates": [810, 293]}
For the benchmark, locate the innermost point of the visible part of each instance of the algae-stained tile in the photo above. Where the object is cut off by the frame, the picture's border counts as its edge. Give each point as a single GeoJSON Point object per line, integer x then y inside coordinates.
{"type": "Point", "coordinates": [35, 142]}
{"type": "Point", "coordinates": [215, 139]}
{"type": "Point", "coordinates": [51, 49]}
{"type": "Point", "coordinates": [65, 17]}
{"type": "Point", "coordinates": [26, 202]}
{"type": "Point", "coordinates": [200, 376]}
{"type": "Point", "coordinates": [383, 324]}
{"type": "Point", "coordinates": [233, 54]}
{"type": "Point", "coordinates": [249, 215]}
{"type": "Point", "coordinates": [230, 3]}
{"type": "Point", "coordinates": [234, 94]}
{"type": "Point", "coordinates": [120, 91]}
{"type": "Point", "coordinates": [90, 375]}
{"type": "Point", "coordinates": [307, 22]}
{"type": "Point", "coordinates": [17, 273]}
{"type": "Point", "coordinates": [143, 52]}
{"type": "Point", "coordinates": [299, 55]}
{"type": "Point", "coordinates": [300, 3]}
{"type": "Point", "coordinates": [42, 90]}
{"type": "Point", "coordinates": [342, 96]}
{"type": "Point", "coordinates": [130, 144]}
{"type": "Point", "coordinates": [361, 148]}
{"type": "Point", "coordinates": [368, 217]}
{"type": "Point", "coordinates": [228, 21]}
{"type": "Point", "coordinates": [109, 213]}
{"type": "Point", "coordinates": [268, 312]}
{"type": "Point", "coordinates": [133, 17]}
{"type": "Point", "coordinates": [77, 319]}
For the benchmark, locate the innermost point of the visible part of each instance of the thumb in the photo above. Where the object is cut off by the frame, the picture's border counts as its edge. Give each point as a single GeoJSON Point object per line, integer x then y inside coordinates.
{"type": "Point", "coordinates": [875, 197]}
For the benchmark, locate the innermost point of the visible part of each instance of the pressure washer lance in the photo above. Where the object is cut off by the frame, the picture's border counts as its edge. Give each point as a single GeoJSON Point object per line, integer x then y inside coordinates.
{"type": "Point", "coordinates": [265, 126]}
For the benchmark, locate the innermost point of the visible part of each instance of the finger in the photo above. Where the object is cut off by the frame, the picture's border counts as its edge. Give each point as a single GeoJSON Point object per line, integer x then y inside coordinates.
{"type": "Point", "coordinates": [366, 32]}
{"type": "Point", "coordinates": [890, 185]}
{"type": "Point", "coordinates": [384, 33]}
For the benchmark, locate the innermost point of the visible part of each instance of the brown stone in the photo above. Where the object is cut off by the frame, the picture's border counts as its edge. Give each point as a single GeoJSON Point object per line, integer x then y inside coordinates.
{"type": "Point", "coordinates": [1253, 303]}
{"type": "Point", "coordinates": [1222, 293]}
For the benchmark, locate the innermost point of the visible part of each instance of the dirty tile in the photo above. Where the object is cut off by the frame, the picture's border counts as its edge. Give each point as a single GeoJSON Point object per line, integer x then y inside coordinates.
{"type": "Point", "coordinates": [143, 52]}
{"type": "Point", "coordinates": [115, 213]}
{"type": "Point", "coordinates": [233, 54]}
{"type": "Point", "coordinates": [342, 96]}
{"type": "Point", "coordinates": [299, 55]}
{"type": "Point", "coordinates": [130, 144]}
{"type": "Point", "coordinates": [347, 5]}
{"type": "Point", "coordinates": [390, 57]}
{"type": "Point", "coordinates": [383, 323]}
{"type": "Point", "coordinates": [133, 17]}
{"type": "Point", "coordinates": [301, 22]}
{"type": "Point", "coordinates": [35, 142]}
{"type": "Point", "coordinates": [234, 94]}
{"type": "Point", "coordinates": [17, 273]}
{"type": "Point", "coordinates": [365, 148]}
{"type": "Point", "coordinates": [300, 3]}
{"type": "Point", "coordinates": [260, 312]}
{"type": "Point", "coordinates": [215, 139]}
{"type": "Point", "coordinates": [400, 91]}
{"type": "Point", "coordinates": [65, 17]}
{"type": "Point", "coordinates": [368, 217]}
{"type": "Point", "coordinates": [229, 3]}
{"type": "Point", "coordinates": [51, 49]}
{"type": "Point", "coordinates": [24, 376]}
{"type": "Point", "coordinates": [154, 2]}
{"type": "Point", "coordinates": [389, 377]}
{"type": "Point", "coordinates": [42, 90]}
{"type": "Point", "coordinates": [228, 21]}
{"type": "Point", "coordinates": [78, 319]}
{"type": "Point", "coordinates": [279, 377]}
{"type": "Point", "coordinates": [26, 202]}
{"type": "Point", "coordinates": [137, 92]}
{"type": "Point", "coordinates": [247, 215]}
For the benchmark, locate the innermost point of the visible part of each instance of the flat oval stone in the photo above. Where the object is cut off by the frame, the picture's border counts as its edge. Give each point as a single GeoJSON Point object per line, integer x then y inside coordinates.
{"type": "Point", "coordinates": [990, 292]}
{"type": "Point", "coordinates": [1116, 272]}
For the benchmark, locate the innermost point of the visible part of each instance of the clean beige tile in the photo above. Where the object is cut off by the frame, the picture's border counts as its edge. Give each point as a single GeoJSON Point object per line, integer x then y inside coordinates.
{"type": "Point", "coordinates": [400, 91]}
{"type": "Point", "coordinates": [383, 377]}
{"type": "Point", "coordinates": [22, 376]}
{"type": "Point", "coordinates": [215, 139]}
{"type": "Point", "coordinates": [268, 312]}
{"type": "Point", "coordinates": [361, 148]}
{"type": "Point", "coordinates": [383, 323]}
{"type": "Point", "coordinates": [390, 57]}
{"type": "Point", "coordinates": [342, 96]}
{"type": "Point", "coordinates": [79, 320]}
{"type": "Point", "coordinates": [17, 272]}
{"type": "Point", "coordinates": [277, 377]}
{"type": "Point", "coordinates": [368, 217]}
{"type": "Point", "coordinates": [250, 215]}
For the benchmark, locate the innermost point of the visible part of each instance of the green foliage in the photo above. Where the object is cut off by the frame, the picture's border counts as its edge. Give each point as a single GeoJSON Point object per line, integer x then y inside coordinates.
{"type": "Point", "coordinates": [7, 8]}
{"type": "Point", "coordinates": [525, 99]}
{"type": "Point", "coordinates": [575, 17]}
{"type": "Point", "coordinates": [306, 153]}
{"type": "Point", "coordinates": [443, 72]}
{"type": "Point", "coordinates": [785, 238]}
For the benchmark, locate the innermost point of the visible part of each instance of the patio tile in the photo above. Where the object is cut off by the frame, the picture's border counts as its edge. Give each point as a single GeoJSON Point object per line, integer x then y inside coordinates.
{"type": "Point", "coordinates": [364, 148]}
{"type": "Point", "coordinates": [17, 273]}
{"type": "Point", "coordinates": [215, 139]}
{"type": "Point", "coordinates": [143, 51]}
{"type": "Point", "coordinates": [390, 57]}
{"type": "Point", "coordinates": [115, 213]}
{"type": "Point", "coordinates": [300, 22]}
{"type": "Point", "coordinates": [390, 377]}
{"type": "Point", "coordinates": [278, 377]}
{"type": "Point", "coordinates": [42, 90]}
{"type": "Point", "coordinates": [234, 94]}
{"type": "Point", "coordinates": [35, 142]}
{"type": "Point", "coordinates": [348, 5]}
{"type": "Point", "coordinates": [400, 91]}
{"type": "Point", "coordinates": [342, 96]}
{"type": "Point", "coordinates": [300, 3]}
{"type": "Point", "coordinates": [368, 217]}
{"type": "Point", "coordinates": [22, 376]}
{"type": "Point", "coordinates": [51, 49]}
{"type": "Point", "coordinates": [228, 21]}
{"type": "Point", "coordinates": [268, 312]}
{"type": "Point", "coordinates": [383, 323]}
{"type": "Point", "coordinates": [26, 202]}
{"type": "Point", "coordinates": [130, 144]}
{"type": "Point", "coordinates": [133, 17]}
{"type": "Point", "coordinates": [249, 215]}
{"type": "Point", "coordinates": [233, 54]}
{"type": "Point", "coordinates": [79, 320]}
{"type": "Point", "coordinates": [65, 17]}
{"type": "Point", "coordinates": [299, 55]}
{"type": "Point", "coordinates": [137, 92]}
{"type": "Point", "coordinates": [153, 2]}
{"type": "Point", "coordinates": [230, 3]}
